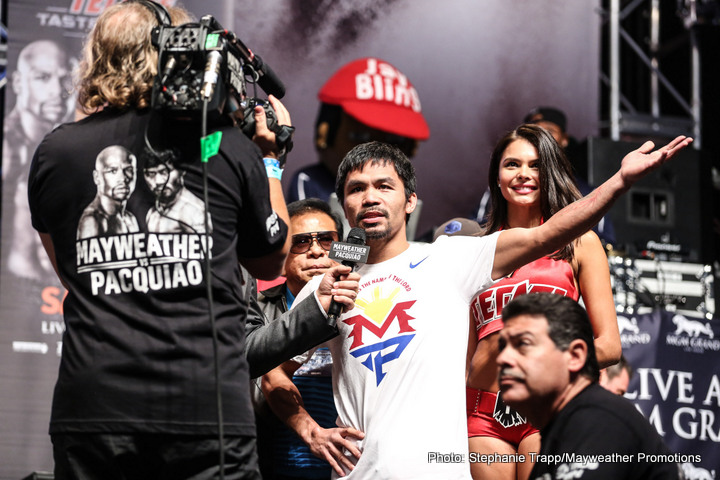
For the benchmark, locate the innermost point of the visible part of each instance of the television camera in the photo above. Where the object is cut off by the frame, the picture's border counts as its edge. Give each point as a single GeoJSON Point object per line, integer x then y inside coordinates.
{"type": "Point", "coordinates": [204, 66]}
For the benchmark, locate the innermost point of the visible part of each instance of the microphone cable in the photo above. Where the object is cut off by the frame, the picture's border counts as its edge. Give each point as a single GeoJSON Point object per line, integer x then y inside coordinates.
{"type": "Point", "coordinates": [211, 310]}
{"type": "Point", "coordinates": [207, 271]}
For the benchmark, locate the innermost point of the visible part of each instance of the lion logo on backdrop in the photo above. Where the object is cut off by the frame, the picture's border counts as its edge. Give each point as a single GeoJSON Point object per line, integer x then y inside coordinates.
{"type": "Point", "coordinates": [694, 328]}
{"type": "Point", "coordinates": [692, 335]}
{"type": "Point", "coordinates": [691, 472]}
{"type": "Point", "coordinates": [630, 332]}
{"type": "Point", "coordinates": [627, 324]}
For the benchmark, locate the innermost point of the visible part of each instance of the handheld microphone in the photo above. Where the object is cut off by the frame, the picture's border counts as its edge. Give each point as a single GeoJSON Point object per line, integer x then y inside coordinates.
{"type": "Point", "coordinates": [212, 71]}
{"type": "Point", "coordinates": [349, 253]}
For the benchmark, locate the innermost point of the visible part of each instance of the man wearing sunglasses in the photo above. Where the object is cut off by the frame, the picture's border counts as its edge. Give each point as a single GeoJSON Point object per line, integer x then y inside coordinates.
{"type": "Point", "coordinates": [281, 451]}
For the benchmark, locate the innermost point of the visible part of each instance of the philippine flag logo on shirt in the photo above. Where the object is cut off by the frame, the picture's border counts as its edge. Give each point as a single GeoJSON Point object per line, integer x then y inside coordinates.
{"type": "Point", "coordinates": [374, 342]}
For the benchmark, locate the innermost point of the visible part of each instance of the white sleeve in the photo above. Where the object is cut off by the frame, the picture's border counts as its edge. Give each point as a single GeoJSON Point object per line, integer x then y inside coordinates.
{"type": "Point", "coordinates": [310, 288]}
{"type": "Point", "coordinates": [472, 260]}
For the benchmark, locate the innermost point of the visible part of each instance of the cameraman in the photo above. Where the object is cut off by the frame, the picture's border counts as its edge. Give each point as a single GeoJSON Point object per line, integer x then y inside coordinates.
{"type": "Point", "coordinates": [136, 390]}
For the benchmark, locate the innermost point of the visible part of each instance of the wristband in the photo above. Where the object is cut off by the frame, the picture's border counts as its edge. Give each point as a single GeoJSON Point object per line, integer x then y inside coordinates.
{"type": "Point", "coordinates": [272, 167]}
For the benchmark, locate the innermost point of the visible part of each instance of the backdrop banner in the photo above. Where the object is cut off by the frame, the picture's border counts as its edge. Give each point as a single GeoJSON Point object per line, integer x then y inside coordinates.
{"type": "Point", "coordinates": [676, 383]}
{"type": "Point", "coordinates": [44, 45]}
{"type": "Point", "coordinates": [474, 81]}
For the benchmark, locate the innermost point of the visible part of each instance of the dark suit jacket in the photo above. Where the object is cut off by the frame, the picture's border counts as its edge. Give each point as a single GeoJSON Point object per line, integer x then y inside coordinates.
{"type": "Point", "coordinates": [270, 343]}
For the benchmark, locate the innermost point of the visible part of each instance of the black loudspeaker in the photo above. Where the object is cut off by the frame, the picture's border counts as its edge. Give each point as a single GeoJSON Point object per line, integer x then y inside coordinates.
{"type": "Point", "coordinates": [668, 213]}
{"type": "Point", "coordinates": [40, 476]}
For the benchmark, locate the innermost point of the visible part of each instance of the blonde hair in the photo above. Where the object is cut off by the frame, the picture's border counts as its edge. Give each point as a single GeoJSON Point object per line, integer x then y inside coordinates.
{"type": "Point", "coordinates": [119, 62]}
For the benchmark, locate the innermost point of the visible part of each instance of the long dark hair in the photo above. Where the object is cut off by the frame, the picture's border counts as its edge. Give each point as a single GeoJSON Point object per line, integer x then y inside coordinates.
{"type": "Point", "coordinates": [557, 182]}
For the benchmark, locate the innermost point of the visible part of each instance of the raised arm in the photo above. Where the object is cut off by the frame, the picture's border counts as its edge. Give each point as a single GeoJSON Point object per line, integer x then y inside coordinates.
{"type": "Point", "coordinates": [269, 266]}
{"type": "Point", "coordinates": [519, 246]}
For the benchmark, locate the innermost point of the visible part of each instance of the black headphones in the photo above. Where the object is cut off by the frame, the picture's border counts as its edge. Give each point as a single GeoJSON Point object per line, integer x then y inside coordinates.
{"type": "Point", "coordinates": [160, 12]}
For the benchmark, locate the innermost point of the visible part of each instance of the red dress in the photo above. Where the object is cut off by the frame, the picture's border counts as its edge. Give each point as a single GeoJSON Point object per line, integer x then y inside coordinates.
{"type": "Point", "coordinates": [542, 275]}
{"type": "Point", "coordinates": [487, 415]}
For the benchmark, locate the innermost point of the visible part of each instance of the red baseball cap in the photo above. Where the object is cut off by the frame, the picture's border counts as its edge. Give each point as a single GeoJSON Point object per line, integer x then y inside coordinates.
{"type": "Point", "coordinates": [377, 94]}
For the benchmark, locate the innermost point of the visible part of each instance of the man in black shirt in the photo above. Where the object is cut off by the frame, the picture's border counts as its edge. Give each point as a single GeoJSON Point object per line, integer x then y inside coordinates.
{"type": "Point", "coordinates": [138, 390]}
{"type": "Point", "coordinates": [549, 373]}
